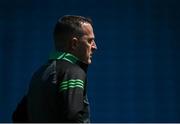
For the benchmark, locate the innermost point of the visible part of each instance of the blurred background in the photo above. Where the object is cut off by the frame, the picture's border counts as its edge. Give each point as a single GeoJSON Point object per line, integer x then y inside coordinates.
{"type": "Point", "coordinates": [135, 74]}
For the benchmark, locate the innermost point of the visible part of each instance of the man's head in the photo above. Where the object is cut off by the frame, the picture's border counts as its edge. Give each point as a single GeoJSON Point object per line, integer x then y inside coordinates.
{"type": "Point", "coordinates": [75, 34]}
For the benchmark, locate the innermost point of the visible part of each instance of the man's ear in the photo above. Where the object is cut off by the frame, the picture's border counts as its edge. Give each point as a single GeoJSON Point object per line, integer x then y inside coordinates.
{"type": "Point", "coordinates": [74, 43]}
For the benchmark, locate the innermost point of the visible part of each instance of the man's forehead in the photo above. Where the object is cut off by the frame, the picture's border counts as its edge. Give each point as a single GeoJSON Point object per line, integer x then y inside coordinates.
{"type": "Point", "coordinates": [88, 30]}
{"type": "Point", "coordinates": [87, 27]}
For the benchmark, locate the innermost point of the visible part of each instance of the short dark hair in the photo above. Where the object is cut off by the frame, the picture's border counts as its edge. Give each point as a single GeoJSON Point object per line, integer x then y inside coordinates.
{"type": "Point", "coordinates": [67, 27]}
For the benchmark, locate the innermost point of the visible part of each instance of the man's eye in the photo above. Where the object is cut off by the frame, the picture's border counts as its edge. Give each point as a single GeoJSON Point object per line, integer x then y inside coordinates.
{"type": "Point", "coordinates": [89, 41]}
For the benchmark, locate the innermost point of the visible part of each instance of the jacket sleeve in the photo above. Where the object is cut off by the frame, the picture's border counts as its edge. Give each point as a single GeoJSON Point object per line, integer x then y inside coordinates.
{"type": "Point", "coordinates": [71, 90]}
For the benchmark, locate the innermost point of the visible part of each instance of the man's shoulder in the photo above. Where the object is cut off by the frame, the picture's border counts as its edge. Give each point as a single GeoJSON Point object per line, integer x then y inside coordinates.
{"type": "Point", "coordinates": [65, 65]}
{"type": "Point", "coordinates": [70, 69]}
{"type": "Point", "coordinates": [44, 71]}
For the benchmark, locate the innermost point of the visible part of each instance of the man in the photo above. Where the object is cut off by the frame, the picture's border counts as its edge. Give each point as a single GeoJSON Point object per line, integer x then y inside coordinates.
{"type": "Point", "coordinates": [58, 90]}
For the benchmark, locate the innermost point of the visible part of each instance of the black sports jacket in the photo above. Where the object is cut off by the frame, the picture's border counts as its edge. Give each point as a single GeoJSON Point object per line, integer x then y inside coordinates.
{"type": "Point", "coordinates": [57, 91]}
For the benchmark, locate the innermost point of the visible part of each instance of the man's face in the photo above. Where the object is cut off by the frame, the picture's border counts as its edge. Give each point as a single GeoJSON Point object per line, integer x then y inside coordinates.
{"type": "Point", "coordinates": [86, 44]}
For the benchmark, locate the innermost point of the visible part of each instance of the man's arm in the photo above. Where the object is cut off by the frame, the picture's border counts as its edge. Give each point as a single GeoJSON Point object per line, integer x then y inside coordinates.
{"type": "Point", "coordinates": [72, 92]}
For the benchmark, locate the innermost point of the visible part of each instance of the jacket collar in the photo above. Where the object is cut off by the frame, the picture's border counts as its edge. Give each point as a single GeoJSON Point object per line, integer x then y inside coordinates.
{"type": "Point", "coordinates": [68, 57]}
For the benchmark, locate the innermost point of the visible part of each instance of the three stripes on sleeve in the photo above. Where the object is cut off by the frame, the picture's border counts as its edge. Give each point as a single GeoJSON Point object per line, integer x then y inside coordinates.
{"type": "Point", "coordinates": [73, 83]}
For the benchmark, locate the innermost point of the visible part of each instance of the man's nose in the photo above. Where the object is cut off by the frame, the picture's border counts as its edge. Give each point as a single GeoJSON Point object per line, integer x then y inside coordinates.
{"type": "Point", "coordinates": [94, 46]}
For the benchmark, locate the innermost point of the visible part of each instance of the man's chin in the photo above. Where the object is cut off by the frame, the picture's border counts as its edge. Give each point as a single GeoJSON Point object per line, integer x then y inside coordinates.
{"type": "Point", "coordinates": [87, 61]}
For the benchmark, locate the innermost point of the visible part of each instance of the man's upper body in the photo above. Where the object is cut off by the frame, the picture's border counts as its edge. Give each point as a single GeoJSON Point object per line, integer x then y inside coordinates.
{"type": "Point", "coordinates": [58, 90]}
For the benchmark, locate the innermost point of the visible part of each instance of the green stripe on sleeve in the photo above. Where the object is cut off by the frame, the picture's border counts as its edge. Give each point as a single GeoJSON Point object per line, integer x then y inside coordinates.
{"type": "Point", "coordinates": [69, 87]}
{"type": "Point", "coordinates": [71, 84]}
{"type": "Point", "coordinates": [74, 83]}
{"type": "Point", "coordinates": [72, 80]}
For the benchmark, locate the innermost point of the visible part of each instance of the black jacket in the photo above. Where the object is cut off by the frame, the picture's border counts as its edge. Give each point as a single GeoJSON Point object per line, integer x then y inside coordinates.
{"type": "Point", "coordinates": [57, 91]}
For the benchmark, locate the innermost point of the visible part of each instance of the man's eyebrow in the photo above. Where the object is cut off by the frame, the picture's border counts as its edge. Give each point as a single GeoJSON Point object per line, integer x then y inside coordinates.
{"type": "Point", "coordinates": [91, 38]}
